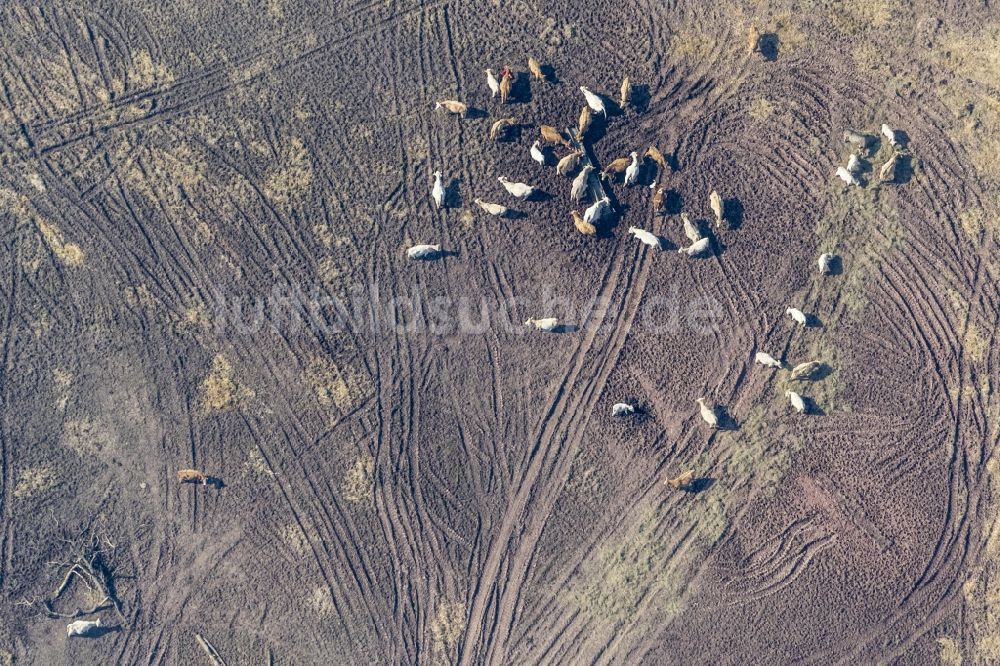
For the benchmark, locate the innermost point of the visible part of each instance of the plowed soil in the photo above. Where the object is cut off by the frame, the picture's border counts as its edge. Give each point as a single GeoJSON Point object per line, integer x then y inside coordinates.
{"type": "Point", "coordinates": [404, 484]}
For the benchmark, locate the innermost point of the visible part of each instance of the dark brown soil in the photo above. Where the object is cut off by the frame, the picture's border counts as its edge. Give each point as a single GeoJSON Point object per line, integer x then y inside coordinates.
{"type": "Point", "coordinates": [419, 489]}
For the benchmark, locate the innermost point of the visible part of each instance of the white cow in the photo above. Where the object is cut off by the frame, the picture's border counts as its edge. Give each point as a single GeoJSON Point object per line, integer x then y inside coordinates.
{"type": "Point", "coordinates": [423, 251]}
{"type": "Point", "coordinates": [547, 324]}
{"type": "Point", "coordinates": [632, 172]}
{"type": "Point", "coordinates": [519, 190]}
{"type": "Point", "coordinates": [797, 315]}
{"type": "Point", "coordinates": [649, 239]}
{"type": "Point", "coordinates": [438, 190]}
{"type": "Point", "coordinates": [594, 101]}
{"type": "Point", "coordinates": [766, 359]}
{"type": "Point", "coordinates": [83, 627]}
{"type": "Point", "coordinates": [492, 82]}
{"type": "Point", "coordinates": [797, 402]}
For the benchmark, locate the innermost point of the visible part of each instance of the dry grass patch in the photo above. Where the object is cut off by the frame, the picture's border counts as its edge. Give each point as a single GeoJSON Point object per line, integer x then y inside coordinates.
{"type": "Point", "coordinates": [32, 481]}
{"type": "Point", "coordinates": [359, 481]}
{"type": "Point", "coordinates": [218, 390]}
{"type": "Point", "coordinates": [760, 109]}
{"type": "Point", "coordinates": [950, 655]}
{"type": "Point", "coordinates": [448, 625]}
{"type": "Point", "coordinates": [294, 175]}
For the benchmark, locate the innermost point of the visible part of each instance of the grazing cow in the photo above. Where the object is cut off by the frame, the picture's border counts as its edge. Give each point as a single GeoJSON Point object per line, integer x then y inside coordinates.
{"type": "Point", "coordinates": [645, 237]}
{"type": "Point", "coordinates": [519, 190]}
{"type": "Point", "coordinates": [582, 225]}
{"type": "Point", "coordinates": [594, 101]}
{"type": "Point", "coordinates": [617, 166]}
{"type": "Point", "coordinates": [423, 251]}
{"type": "Point", "coordinates": [501, 126]}
{"type": "Point", "coordinates": [753, 42]}
{"type": "Point", "coordinates": [697, 248]}
{"type": "Point", "coordinates": [536, 153]}
{"type": "Point", "coordinates": [847, 177]}
{"type": "Point", "coordinates": [83, 628]}
{"type": "Point", "coordinates": [569, 163]}
{"type": "Point", "coordinates": [632, 171]}
{"type": "Point", "coordinates": [437, 192]}
{"type": "Point", "coordinates": [551, 135]}
{"type": "Point", "coordinates": [715, 203]}
{"type": "Point", "coordinates": [691, 229]}
{"type": "Point", "coordinates": [797, 315]}
{"type": "Point", "coordinates": [797, 402]}
{"type": "Point", "coordinates": [626, 94]}
{"type": "Point", "coordinates": [506, 79]}
{"type": "Point", "coordinates": [825, 263]}
{"type": "Point", "coordinates": [890, 134]}
{"type": "Point", "coordinates": [622, 409]}
{"type": "Point", "coordinates": [767, 360]}
{"type": "Point", "coordinates": [491, 208]}
{"type": "Point", "coordinates": [708, 414]}
{"type": "Point", "coordinates": [453, 107]}
{"type": "Point", "coordinates": [659, 201]}
{"type": "Point", "coordinates": [536, 69]}
{"type": "Point", "coordinates": [492, 82]}
{"type": "Point", "coordinates": [192, 476]}
{"type": "Point", "coordinates": [807, 370]}
{"type": "Point", "coordinates": [586, 117]}
{"type": "Point", "coordinates": [548, 324]}
{"type": "Point", "coordinates": [682, 481]}
{"type": "Point", "coordinates": [853, 164]}
{"type": "Point", "coordinates": [887, 173]}
{"type": "Point", "coordinates": [580, 183]}
{"type": "Point", "coordinates": [597, 210]}
{"type": "Point", "coordinates": [862, 141]}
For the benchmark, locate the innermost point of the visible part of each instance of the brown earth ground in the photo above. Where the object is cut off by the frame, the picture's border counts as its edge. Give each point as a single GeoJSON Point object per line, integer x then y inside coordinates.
{"type": "Point", "coordinates": [402, 496]}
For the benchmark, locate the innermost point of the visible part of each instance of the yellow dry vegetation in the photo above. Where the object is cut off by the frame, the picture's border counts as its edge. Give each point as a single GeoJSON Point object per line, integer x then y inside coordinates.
{"type": "Point", "coordinates": [359, 481]}
{"type": "Point", "coordinates": [760, 109]}
{"type": "Point", "coordinates": [975, 222]}
{"type": "Point", "coordinates": [976, 344]}
{"type": "Point", "coordinates": [218, 390]}
{"type": "Point", "coordinates": [33, 480]}
{"type": "Point", "coordinates": [257, 465]}
{"type": "Point", "coordinates": [144, 72]}
{"type": "Point", "coordinates": [85, 436]}
{"type": "Point", "coordinates": [855, 16]}
{"type": "Point", "coordinates": [294, 174]}
{"type": "Point", "coordinates": [67, 253]}
{"type": "Point", "coordinates": [448, 625]}
{"type": "Point", "coordinates": [321, 601]}
{"type": "Point", "coordinates": [973, 56]}
{"type": "Point", "coordinates": [296, 539]}
{"type": "Point", "coordinates": [950, 655]}
{"type": "Point", "coordinates": [335, 386]}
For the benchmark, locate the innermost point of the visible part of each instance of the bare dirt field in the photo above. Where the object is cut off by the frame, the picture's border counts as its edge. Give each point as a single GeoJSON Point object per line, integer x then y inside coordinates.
{"type": "Point", "coordinates": [206, 208]}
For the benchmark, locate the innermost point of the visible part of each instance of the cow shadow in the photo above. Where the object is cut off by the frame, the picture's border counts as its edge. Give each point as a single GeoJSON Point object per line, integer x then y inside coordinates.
{"type": "Point", "coordinates": [732, 212]}
{"type": "Point", "coordinates": [699, 485]}
{"type": "Point", "coordinates": [475, 114]}
{"type": "Point", "coordinates": [641, 98]}
{"type": "Point", "coordinates": [453, 194]}
{"type": "Point", "coordinates": [520, 90]}
{"type": "Point", "coordinates": [549, 72]}
{"type": "Point", "coordinates": [769, 46]}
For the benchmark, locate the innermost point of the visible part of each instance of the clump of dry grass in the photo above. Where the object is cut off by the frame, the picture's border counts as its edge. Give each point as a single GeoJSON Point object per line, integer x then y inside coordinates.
{"type": "Point", "coordinates": [760, 109]}
{"type": "Point", "coordinates": [950, 655]}
{"type": "Point", "coordinates": [34, 480]}
{"type": "Point", "coordinates": [359, 481]}
{"type": "Point", "coordinates": [294, 174]}
{"type": "Point", "coordinates": [856, 16]}
{"type": "Point", "coordinates": [448, 625]}
{"type": "Point", "coordinates": [218, 390]}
